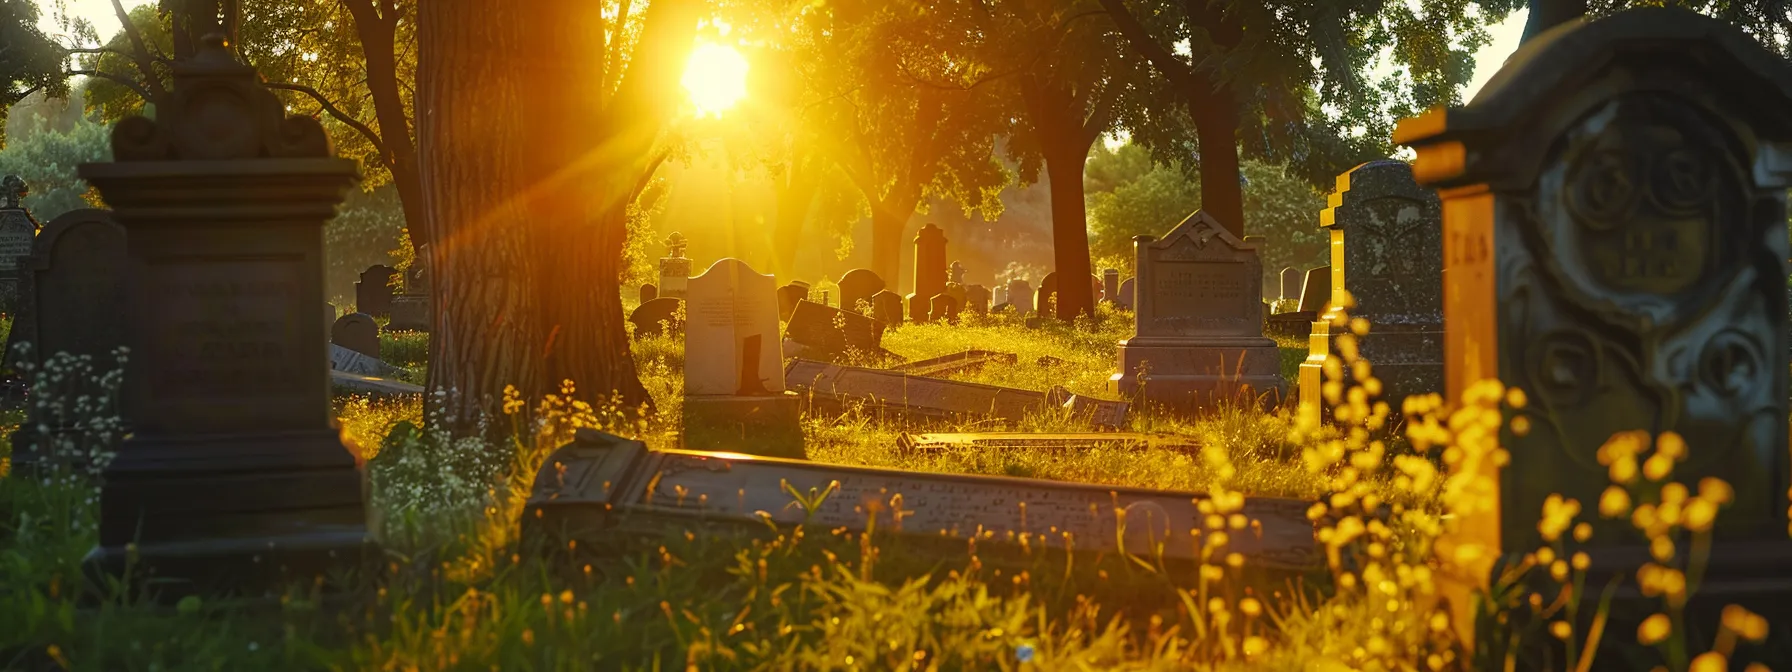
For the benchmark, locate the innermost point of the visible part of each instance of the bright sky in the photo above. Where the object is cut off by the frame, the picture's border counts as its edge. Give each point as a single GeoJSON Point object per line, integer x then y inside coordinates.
{"type": "Point", "coordinates": [98, 12]}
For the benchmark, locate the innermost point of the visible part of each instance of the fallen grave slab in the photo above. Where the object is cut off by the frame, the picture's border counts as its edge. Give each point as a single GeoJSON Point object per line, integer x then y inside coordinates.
{"type": "Point", "coordinates": [909, 443]}
{"type": "Point", "coordinates": [959, 362]}
{"type": "Point", "coordinates": [602, 487]}
{"type": "Point", "coordinates": [834, 387]}
{"type": "Point", "coordinates": [343, 381]}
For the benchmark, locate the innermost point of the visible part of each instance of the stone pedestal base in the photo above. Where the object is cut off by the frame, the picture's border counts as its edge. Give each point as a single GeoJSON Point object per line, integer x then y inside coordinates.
{"type": "Point", "coordinates": [767, 426]}
{"type": "Point", "coordinates": [1187, 374]}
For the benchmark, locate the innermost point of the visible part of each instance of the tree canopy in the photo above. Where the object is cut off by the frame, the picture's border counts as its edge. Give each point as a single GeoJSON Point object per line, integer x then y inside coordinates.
{"type": "Point", "coordinates": [29, 61]}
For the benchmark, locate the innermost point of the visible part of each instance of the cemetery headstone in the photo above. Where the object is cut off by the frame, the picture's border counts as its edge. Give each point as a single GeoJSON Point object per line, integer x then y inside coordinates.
{"type": "Point", "coordinates": [943, 308]}
{"type": "Point", "coordinates": [834, 331]}
{"type": "Point", "coordinates": [235, 478]}
{"type": "Point", "coordinates": [1020, 295]}
{"type": "Point", "coordinates": [1045, 301]}
{"type": "Point", "coordinates": [1126, 298]}
{"type": "Point", "coordinates": [1291, 283]}
{"type": "Point", "coordinates": [957, 271]}
{"type": "Point", "coordinates": [410, 312]}
{"type": "Point", "coordinates": [1597, 229]}
{"type": "Point", "coordinates": [1198, 322]}
{"type": "Point", "coordinates": [886, 307]}
{"type": "Point", "coordinates": [1316, 290]}
{"type": "Point", "coordinates": [734, 365]}
{"type": "Point", "coordinates": [71, 299]}
{"type": "Point", "coordinates": [835, 388]}
{"type": "Point", "coordinates": [960, 362]}
{"type": "Point", "coordinates": [675, 269]}
{"type": "Point", "coordinates": [1110, 285]}
{"type": "Point", "coordinates": [600, 487]}
{"type": "Point", "coordinates": [657, 317]}
{"type": "Point", "coordinates": [999, 295]}
{"type": "Point", "coordinates": [17, 230]}
{"type": "Point", "coordinates": [357, 332]}
{"type": "Point", "coordinates": [789, 295]}
{"type": "Point", "coordinates": [976, 299]}
{"type": "Point", "coordinates": [373, 291]}
{"type": "Point", "coordinates": [930, 270]}
{"type": "Point", "coordinates": [1387, 252]}
{"type": "Point", "coordinates": [648, 292]}
{"type": "Point", "coordinates": [859, 284]}
{"type": "Point", "coordinates": [1097, 289]}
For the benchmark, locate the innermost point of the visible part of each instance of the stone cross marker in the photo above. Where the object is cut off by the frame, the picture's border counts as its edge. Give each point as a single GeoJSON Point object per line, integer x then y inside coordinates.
{"type": "Point", "coordinates": [930, 270]}
{"type": "Point", "coordinates": [1198, 320]}
{"type": "Point", "coordinates": [1387, 252]}
{"type": "Point", "coordinates": [373, 292]}
{"type": "Point", "coordinates": [1615, 246]}
{"type": "Point", "coordinates": [72, 299]}
{"type": "Point", "coordinates": [235, 477]}
{"type": "Point", "coordinates": [859, 284]}
{"type": "Point", "coordinates": [675, 269]}
{"type": "Point", "coordinates": [357, 332]}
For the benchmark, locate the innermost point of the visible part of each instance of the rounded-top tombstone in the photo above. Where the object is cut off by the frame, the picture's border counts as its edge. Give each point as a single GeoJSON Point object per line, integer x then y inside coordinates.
{"type": "Point", "coordinates": [357, 332]}
{"type": "Point", "coordinates": [859, 284]}
{"type": "Point", "coordinates": [1615, 246]}
{"type": "Point", "coordinates": [235, 478]}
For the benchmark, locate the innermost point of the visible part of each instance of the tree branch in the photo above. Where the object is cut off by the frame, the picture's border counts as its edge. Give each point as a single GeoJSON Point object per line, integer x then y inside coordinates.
{"type": "Point", "coordinates": [152, 85]}
{"type": "Point", "coordinates": [378, 146]}
{"type": "Point", "coordinates": [1181, 73]}
{"type": "Point", "coordinates": [122, 81]}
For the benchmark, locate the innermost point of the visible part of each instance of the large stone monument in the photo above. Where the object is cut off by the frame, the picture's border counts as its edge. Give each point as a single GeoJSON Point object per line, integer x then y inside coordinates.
{"type": "Point", "coordinates": [930, 271]}
{"type": "Point", "coordinates": [1615, 246]}
{"type": "Point", "coordinates": [17, 230]}
{"type": "Point", "coordinates": [1387, 253]}
{"type": "Point", "coordinates": [1198, 322]}
{"type": "Point", "coordinates": [373, 291]}
{"type": "Point", "coordinates": [235, 478]}
{"type": "Point", "coordinates": [734, 365]}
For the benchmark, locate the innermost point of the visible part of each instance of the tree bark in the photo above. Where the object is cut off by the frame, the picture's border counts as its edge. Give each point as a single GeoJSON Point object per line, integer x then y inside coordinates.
{"type": "Point", "coordinates": [1070, 230]}
{"type": "Point", "coordinates": [1216, 128]}
{"type": "Point", "coordinates": [526, 184]}
{"type": "Point", "coordinates": [887, 225]}
{"type": "Point", "coordinates": [378, 33]}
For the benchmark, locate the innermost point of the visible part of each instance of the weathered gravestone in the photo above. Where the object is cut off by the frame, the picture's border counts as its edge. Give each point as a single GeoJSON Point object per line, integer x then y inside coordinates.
{"type": "Point", "coordinates": [602, 488]}
{"type": "Point", "coordinates": [357, 332]}
{"type": "Point", "coordinates": [1020, 295]}
{"type": "Point", "coordinates": [1387, 253]}
{"type": "Point", "coordinates": [886, 307]}
{"type": "Point", "coordinates": [373, 291]}
{"type": "Point", "coordinates": [959, 362]}
{"type": "Point", "coordinates": [648, 292]}
{"type": "Point", "coordinates": [834, 331]}
{"type": "Point", "coordinates": [17, 230]}
{"type": "Point", "coordinates": [734, 365]}
{"type": "Point", "coordinates": [943, 308]}
{"type": "Point", "coordinates": [976, 299]}
{"type": "Point", "coordinates": [1127, 294]}
{"type": "Point", "coordinates": [1198, 322]}
{"type": "Point", "coordinates": [410, 312]}
{"type": "Point", "coordinates": [1290, 287]}
{"type": "Point", "coordinates": [859, 284]}
{"type": "Point", "coordinates": [1045, 300]}
{"type": "Point", "coordinates": [836, 388]}
{"type": "Point", "coordinates": [789, 295]}
{"type": "Point", "coordinates": [675, 269]}
{"type": "Point", "coordinates": [1316, 291]}
{"type": "Point", "coordinates": [999, 295]}
{"type": "Point", "coordinates": [71, 300]}
{"type": "Point", "coordinates": [1110, 285]}
{"type": "Point", "coordinates": [657, 317]}
{"type": "Point", "coordinates": [1614, 245]}
{"type": "Point", "coordinates": [235, 478]}
{"type": "Point", "coordinates": [930, 271]}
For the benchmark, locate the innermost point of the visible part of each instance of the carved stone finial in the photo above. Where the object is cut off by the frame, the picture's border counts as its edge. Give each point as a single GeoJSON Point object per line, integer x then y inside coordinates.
{"type": "Point", "coordinates": [676, 243]}
{"type": "Point", "coordinates": [13, 188]}
{"type": "Point", "coordinates": [218, 110]}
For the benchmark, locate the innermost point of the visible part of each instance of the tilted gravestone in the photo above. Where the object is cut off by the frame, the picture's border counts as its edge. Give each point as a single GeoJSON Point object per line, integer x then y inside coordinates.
{"type": "Point", "coordinates": [357, 332]}
{"type": "Point", "coordinates": [1387, 253]}
{"type": "Point", "coordinates": [930, 271]}
{"type": "Point", "coordinates": [602, 488]}
{"type": "Point", "coordinates": [235, 478]}
{"type": "Point", "coordinates": [1198, 322]}
{"type": "Point", "coordinates": [373, 291]}
{"type": "Point", "coordinates": [834, 331]}
{"type": "Point", "coordinates": [859, 284]}
{"type": "Point", "coordinates": [71, 300]}
{"type": "Point", "coordinates": [657, 317]}
{"type": "Point", "coordinates": [734, 365]}
{"type": "Point", "coordinates": [17, 230]}
{"type": "Point", "coordinates": [789, 295]}
{"type": "Point", "coordinates": [886, 307]}
{"type": "Point", "coordinates": [1614, 246]}
{"type": "Point", "coordinates": [1316, 291]}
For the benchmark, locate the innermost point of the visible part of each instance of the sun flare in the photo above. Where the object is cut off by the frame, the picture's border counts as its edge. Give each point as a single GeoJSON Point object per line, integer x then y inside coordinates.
{"type": "Point", "coordinates": [715, 78]}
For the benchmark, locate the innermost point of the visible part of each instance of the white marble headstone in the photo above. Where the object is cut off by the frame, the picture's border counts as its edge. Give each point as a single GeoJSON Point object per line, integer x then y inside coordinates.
{"type": "Point", "coordinates": [726, 306]}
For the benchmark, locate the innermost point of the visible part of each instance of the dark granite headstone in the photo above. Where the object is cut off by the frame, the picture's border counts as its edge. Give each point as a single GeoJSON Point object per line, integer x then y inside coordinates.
{"type": "Point", "coordinates": [976, 299]}
{"type": "Point", "coordinates": [789, 295]}
{"type": "Point", "coordinates": [373, 292]}
{"type": "Point", "coordinates": [1045, 300]}
{"type": "Point", "coordinates": [648, 292]}
{"type": "Point", "coordinates": [1316, 291]}
{"type": "Point", "coordinates": [657, 317]}
{"type": "Point", "coordinates": [1020, 296]}
{"type": "Point", "coordinates": [930, 270]}
{"type": "Point", "coordinates": [1110, 285]}
{"type": "Point", "coordinates": [357, 332]}
{"type": "Point", "coordinates": [1615, 243]}
{"type": "Point", "coordinates": [943, 308]}
{"type": "Point", "coordinates": [410, 312]}
{"type": "Point", "coordinates": [831, 330]}
{"type": "Point", "coordinates": [886, 307]}
{"type": "Point", "coordinates": [1126, 297]}
{"type": "Point", "coordinates": [859, 284]}
{"type": "Point", "coordinates": [235, 478]}
{"type": "Point", "coordinates": [17, 230]}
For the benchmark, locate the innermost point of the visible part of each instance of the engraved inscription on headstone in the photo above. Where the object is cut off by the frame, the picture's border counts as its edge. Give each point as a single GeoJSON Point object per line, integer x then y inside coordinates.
{"type": "Point", "coordinates": [227, 343]}
{"type": "Point", "coordinates": [725, 306]}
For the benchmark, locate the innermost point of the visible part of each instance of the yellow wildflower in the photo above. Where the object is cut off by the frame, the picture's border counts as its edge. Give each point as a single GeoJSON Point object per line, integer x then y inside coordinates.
{"type": "Point", "coordinates": [1657, 467]}
{"type": "Point", "coordinates": [1710, 661]}
{"type": "Point", "coordinates": [1614, 502]}
{"type": "Point", "coordinates": [1561, 629]}
{"type": "Point", "coordinates": [1716, 490]}
{"type": "Point", "coordinates": [1583, 531]}
{"type": "Point", "coordinates": [1558, 515]}
{"type": "Point", "coordinates": [1671, 445]}
{"type": "Point", "coordinates": [1654, 629]}
{"type": "Point", "coordinates": [1746, 624]}
{"type": "Point", "coordinates": [1700, 514]}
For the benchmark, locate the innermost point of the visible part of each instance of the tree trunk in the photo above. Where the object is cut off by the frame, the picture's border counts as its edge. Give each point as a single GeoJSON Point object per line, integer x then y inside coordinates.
{"type": "Point", "coordinates": [887, 224]}
{"type": "Point", "coordinates": [795, 195]}
{"type": "Point", "coordinates": [1547, 14]}
{"type": "Point", "coordinates": [525, 272]}
{"type": "Point", "coordinates": [379, 48]}
{"type": "Point", "coordinates": [1216, 128]}
{"type": "Point", "coordinates": [1070, 227]}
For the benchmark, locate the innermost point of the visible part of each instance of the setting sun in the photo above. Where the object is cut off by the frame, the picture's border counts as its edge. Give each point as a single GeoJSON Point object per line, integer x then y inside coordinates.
{"type": "Point", "coordinates": [715, 78]}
